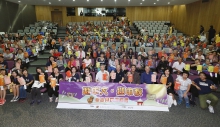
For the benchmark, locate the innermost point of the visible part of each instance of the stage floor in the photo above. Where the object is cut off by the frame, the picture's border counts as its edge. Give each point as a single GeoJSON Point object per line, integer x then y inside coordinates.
{"type": "Point", "coordinates": [47, 115]}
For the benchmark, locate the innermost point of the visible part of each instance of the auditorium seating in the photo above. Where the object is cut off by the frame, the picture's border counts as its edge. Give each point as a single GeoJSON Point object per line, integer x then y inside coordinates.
{"type": "Point", "coordinates": [155, 27]}
{"type": "Point", "coordinates": [41, 26]}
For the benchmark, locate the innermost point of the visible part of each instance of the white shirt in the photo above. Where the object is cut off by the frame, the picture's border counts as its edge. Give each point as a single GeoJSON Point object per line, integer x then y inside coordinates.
{"type": "Point", "coordinates": [178, 66]}
{"type": "Point", "coordinates": [192, 46]}
{"type": "Point", "coordinates": [201, 57]}
{"type": "Point", "coordinates": [82, 53]}
{"type": "Point", "coordinates": [89, 61]}
{"type": "Point", "coordinates": [143, 54]}
{"type": "Point", "coordinates": [142, 30]}
{"type": "Point", "coordinates": [8, 56]}
{"type": "Point", "coordinates": [112, 63]}
{"type": "Point", "coordinates": [99, 77]}
{"type": "Point", "coordinates": [184, 83]}
{"type": "Point", "coordinates": [21, 56]}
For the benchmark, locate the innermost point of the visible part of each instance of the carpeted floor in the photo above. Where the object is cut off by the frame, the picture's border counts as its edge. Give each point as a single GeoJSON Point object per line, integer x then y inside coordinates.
{"type": "Point", "coordinates": [46, 115]}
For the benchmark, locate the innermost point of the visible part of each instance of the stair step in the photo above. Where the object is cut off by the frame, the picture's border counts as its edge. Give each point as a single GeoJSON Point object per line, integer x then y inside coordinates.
{"type": "Point", "coordinates": [58, 35]}
{"type": "Point", "coordinates": [134, 32]}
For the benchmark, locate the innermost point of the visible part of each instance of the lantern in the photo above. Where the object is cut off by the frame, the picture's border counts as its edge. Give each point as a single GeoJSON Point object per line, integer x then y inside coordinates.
{"type": "Point", "coordinates": [68, 73]}
{"type": "Point", "coordinates": [130, 78]}
{"type": "Point", "coordinates": [42, 78]}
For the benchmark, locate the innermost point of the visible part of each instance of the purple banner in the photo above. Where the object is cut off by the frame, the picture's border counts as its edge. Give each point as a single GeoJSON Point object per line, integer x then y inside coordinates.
{"type": "Point", "coordinates": [111, 95]}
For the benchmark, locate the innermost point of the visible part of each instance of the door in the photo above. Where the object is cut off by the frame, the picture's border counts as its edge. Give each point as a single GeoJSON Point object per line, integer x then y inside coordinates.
{"type": "Point", "coordinates": [57, 17]}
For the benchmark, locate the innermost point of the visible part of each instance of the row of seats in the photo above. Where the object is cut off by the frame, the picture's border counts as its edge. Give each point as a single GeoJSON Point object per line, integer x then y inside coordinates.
{"type": "Point", "coordinates": [151, 21]}
{"type": "Point", "coordinates": [44, 24]}
{"type": "Point", "coordinates": [36, 30]}
{"type": "Point", "coordinates": [161, 34]}
{"type": "Point", "coordinates": [83, 23]}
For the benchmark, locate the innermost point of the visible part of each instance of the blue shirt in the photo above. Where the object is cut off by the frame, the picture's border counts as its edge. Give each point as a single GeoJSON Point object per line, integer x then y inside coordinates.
{"type": "Point", "coordinates": [41, 33]}
{"type": "Point", "coordinates": [75, 78]}
{"type": "Point", "coordinates": [29, 78]}
{"type": "Point", "coordinates": [204, 86]}
{"type": "Point", "coordinates": [146, 78]}
{"type": "Point", "coordinates": [61, 49]}
{"type": "Point", "coordinates": [2, 64]}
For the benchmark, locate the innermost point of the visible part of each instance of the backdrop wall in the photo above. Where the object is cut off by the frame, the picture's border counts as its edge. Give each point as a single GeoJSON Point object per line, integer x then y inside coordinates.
{"type": "Point", "coordinates": [188, 18]}
{"type": "Point", "coordinates": [133, 13]}
{"type": "Point", "coordinates": [15, 16]}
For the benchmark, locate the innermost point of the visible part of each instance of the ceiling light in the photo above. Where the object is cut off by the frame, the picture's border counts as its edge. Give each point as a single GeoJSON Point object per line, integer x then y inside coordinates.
{"type": "Point", "coordinates": [19, 1]}
{"type": "Point", "coordinates": [87, 0]}
{"type": "Point", "coordinates": [140, 3]}
{"type": "Point", "coordinates": [73, 0]}
{"type": "Point", "coordinates": [154, 3]}
{"type": "Point", "coordinates": [168, 2]}
{"type": "Point", "coordinates": [115, 0]}
{"type": "Point", "coordinates": [157, 0]}
{"type": "Point", "coordinates": [142, 0]}
{"type": "Point", "coordinates": [59, 0]}
{"type": "Point", "coordinates": [128, 0]}
{"type": "Point", "coordinates": [101, 0]}
{"type": "Point", "coordinates": [49, 2]}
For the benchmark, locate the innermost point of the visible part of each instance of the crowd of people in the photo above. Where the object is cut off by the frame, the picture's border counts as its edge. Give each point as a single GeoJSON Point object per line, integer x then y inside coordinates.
{"type": "Point", "coordinates": [84, 57]}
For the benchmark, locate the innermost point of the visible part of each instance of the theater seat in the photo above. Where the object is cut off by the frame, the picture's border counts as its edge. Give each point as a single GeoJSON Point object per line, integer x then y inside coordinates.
{"type": "Point", "coordinates": [11, 64]}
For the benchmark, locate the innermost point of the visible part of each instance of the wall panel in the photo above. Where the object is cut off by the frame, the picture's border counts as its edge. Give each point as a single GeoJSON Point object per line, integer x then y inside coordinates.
{"type": "Point", "coordinates": [188, 18]}
{"type": "Point", "coordinates": [134, 13]}
{"type": "Point", "coordinates": [148, 13]}
{"type": "Point", "coordinates": [15, 16]}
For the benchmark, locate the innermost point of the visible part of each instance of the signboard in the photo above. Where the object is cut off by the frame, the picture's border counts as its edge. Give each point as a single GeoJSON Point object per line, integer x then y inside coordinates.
{"type": "Point", "coordinates": [112, 96]}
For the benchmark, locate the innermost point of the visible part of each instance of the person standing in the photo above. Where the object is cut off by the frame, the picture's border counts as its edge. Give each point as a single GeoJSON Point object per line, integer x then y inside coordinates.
{"type": "Point", "coordinates": [205, 87]}
{"type": "Point", "coordinates": [211, 34]}
{"type": "Point", "coordinates": [201, 29]}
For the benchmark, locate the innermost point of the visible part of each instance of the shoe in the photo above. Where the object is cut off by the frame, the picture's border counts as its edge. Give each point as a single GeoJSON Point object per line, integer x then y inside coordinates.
{"type": "Point", "coordinates": [22, 100]}
{"type": "Point", "coordinates": [13, 99]}
{"type": "Point", "coordinates": [3, 102]}
{"type": "Point", "coordinates": [208, 101]}
{"type": "Point", "coordinates": [32, 102]}
{"type": "Point", "coordinates": [16, 99]}
{"type": "Point", "coordinates": [174, 102]}
{"type": "Point", "coordinates": [211, 110]}
{"type": "Point", "coordinates": [187, 105]}
{"type": "Point", "coordinates": [179, 102]}
{"type": "Point", "coordinates": [57, 99]}
{"type": "Point", "coordinates": [193, 103]}
{"type": "Point", "coordinates": [50, 99]}
{"type": "Point", "coordinates": [38, 102]}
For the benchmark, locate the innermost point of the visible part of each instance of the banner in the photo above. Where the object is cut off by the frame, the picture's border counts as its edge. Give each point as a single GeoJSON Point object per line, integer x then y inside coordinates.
{"type": "Point", "coordinates": [112, 96]}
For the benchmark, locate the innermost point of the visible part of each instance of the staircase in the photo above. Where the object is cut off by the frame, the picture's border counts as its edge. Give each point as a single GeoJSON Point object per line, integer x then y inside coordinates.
{"type": "Point", "coordinates": [40, 62]}
{"type": "Point", "coordinates": [61, 32]}
{"type": "Point", "coordinates": [43, 58]}
{"type": "Point", "coordinates": [134, 30]}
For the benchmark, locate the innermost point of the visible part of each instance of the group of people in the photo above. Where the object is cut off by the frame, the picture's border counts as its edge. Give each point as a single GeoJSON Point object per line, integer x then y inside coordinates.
{"type": "Point", "coordinates": [82, 57]}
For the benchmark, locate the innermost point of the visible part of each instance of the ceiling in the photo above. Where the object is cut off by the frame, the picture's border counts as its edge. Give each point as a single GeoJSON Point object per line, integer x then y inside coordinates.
{"type": "Point", "coordinates": [103, 3]}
